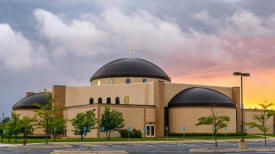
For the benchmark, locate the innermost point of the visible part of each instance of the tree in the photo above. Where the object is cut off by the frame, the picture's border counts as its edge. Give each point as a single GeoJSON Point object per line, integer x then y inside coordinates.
{"type": "Point", "coordinates": [261, 120]}
{"type": "Point", "coordinates": [111, 120]}
{"type": "Point", "coordinates": [46, 114]}
{"type": "Point", "coordinates": [58, 123]}
{"type": "Point", "coordinates": [8, 129]}
{"type": "Point", "coordinates": [2, 127]}
{"type": "Point", "coordinates": [13, 126]}
{"type": "Point", "coordinates": [26, 126]}
{"type": "Point", "coordinates": [217, 123]}
{"type": "Point", "coordinates": [83, 121]}
{"type": "Point", "coordinates": [7, 119]}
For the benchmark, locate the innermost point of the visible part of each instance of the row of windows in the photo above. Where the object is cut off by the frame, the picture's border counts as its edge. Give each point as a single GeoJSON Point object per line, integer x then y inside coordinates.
{"type": "Point", "coordinates": [111, 81]}
{"type": "Point", "coordinates": [108, 100]}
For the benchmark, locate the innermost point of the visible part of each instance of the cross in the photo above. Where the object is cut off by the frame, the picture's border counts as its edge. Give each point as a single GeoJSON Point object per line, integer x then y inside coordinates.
{"type": "Point", "coordinates": [131, 50]}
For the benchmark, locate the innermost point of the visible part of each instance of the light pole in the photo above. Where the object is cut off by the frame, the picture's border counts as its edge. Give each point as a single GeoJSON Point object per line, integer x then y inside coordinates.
{"type": "Point", "coordinates": [242, 106]}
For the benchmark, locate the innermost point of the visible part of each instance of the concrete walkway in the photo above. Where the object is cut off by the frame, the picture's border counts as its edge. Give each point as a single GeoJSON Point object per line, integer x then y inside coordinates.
{"type": "Point", "coordinates": [234, 150]}
{"type": "Point", "coordinates": [164, 142]}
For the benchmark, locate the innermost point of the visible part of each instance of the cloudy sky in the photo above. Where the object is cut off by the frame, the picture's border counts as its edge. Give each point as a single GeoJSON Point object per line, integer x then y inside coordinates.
{"type": "Point", "coordinates": [48, 42]}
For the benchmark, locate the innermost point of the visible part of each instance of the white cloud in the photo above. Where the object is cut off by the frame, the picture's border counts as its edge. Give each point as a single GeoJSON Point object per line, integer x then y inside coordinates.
{"type": "Point", "coordinates": [16, 51]}
{"type": "Point", "coordinates": [79, 37]}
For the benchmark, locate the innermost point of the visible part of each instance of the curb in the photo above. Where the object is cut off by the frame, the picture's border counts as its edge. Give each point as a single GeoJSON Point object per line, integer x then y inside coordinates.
{"type": "Point", "coordinates": [233, 150]}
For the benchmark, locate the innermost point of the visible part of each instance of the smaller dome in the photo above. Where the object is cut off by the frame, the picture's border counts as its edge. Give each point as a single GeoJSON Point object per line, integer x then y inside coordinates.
{"type": "Point", "coordinates": [201, 97]}
{"type": "Point", "coordinates": [30, 101]}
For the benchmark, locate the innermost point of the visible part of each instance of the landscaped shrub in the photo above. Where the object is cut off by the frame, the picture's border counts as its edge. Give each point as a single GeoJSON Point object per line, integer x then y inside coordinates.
{"type": "Point", "coordinates": [204, 134]}
{"type": "Point", "coordinates": [132, 134]}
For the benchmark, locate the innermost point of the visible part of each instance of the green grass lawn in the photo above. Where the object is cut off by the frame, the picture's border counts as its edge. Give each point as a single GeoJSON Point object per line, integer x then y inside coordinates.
{"type": "Point", "coordinates": [19, 141]}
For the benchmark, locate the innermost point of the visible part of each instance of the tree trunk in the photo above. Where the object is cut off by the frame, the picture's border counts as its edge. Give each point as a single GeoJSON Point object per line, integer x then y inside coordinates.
{"type": "Point", "coordinates": [47, 131]}
{"type": "Point", "coordinates": [264, 138]}
{"type": "Point", "coordinates": [216, 143]}
{"type": "Point", "coordinates": [81, 137]}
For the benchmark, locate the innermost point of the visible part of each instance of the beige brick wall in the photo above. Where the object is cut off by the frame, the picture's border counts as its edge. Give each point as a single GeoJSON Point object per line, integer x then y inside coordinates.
{"type": "Point", "coordinates": [139, 94]}
{"type": "Point", "coordinates": [248, 117]}
{"type": "Point", "coordinates": [188, 117]}
{"type": "Point", "coordinates": [133, 116]}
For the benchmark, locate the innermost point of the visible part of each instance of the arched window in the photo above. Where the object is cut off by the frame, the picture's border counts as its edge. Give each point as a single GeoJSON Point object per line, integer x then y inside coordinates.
{"type": "Point", "coordinates": [98, 82]}
{"type": "Point", "coordinates": [99, 100]}
{"type": "Point", "coordinates": [144, 80]}
{"type": "Point", "coordinates": [111, 81]}
{"type": "Point", "coordinates": [91, 101]}
{"type": "Point", "coordinates": [108, 100]}
{"type": "Point", "coordinates": [126, 100]}
{"type": "Point", "coordinates": [117, 100]}
{"type": "Point", "coordinates": [127, 80]}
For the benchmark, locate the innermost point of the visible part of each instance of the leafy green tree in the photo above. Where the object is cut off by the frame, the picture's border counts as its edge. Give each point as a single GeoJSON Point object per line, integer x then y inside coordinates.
{"type": "Point", "coordinates": [26, 125]}
{"type": "Point", "coordinates": [111, 120]}
{"type": "Point", "coordinates": [59, 123]}
{"type": "Point", "coordinates": [7, 119]}
{"type": "Point", "coordinates": [12, 128]}
{"type": "Point", "coordinates": [2, 127]}
{"type": "Point", "coordinates": [86, 119]}
{"type": "Point", "coordinates": [46, 114]}
{"type": "Point", "coordinates": [8, 130]}
{"type": "Point", "coordinates": [261, 120]}
{"type": "Point", "coordinates": [217, 123]}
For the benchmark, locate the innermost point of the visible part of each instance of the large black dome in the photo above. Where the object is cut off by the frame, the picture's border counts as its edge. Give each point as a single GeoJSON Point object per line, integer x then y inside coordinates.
{"type": "Point", "coordinates": [30, 101]}
{"type": "Point", "coordinates": [201, 97]}
{"type": "Point", "coordinates": [130, 67]}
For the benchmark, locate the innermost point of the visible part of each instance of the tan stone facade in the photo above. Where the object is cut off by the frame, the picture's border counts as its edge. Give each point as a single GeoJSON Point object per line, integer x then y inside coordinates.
{"type": "Point", "coordinates": [188, 117]}
{"type": "Point", "coordinates": [249, 118]}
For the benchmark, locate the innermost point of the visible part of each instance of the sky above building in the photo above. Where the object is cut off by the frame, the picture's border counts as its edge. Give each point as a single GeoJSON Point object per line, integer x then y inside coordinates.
{"type": "Point", "coordinates": [48, 42]}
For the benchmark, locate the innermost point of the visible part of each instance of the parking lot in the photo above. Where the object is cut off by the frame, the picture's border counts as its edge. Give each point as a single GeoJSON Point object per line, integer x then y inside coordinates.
{"type": "Point", "coordinates": [138, 148]}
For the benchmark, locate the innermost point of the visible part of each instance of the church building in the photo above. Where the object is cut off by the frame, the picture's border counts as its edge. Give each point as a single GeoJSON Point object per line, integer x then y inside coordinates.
{"type": "Point", "coordinates": [146, 97]}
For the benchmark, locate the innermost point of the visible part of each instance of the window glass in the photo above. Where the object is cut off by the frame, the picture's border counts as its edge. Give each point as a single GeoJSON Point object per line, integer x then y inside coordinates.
{"type": "Point", "coordinates": [144, 80]}
{"type": "Point", "coordinates": [91, 101]}
{"type": "Point", "coordinates": [126, 100]}
{"type": "Point", "coordinates": [111, 81]}
{"type": "Point", "coordinates": [148, 130]}
{"type": "Point", "coordinates": [99, 100]}
{"type": "Point", "coordinates": [117, 100]}
{"type": "Point", "coordinates": [98, 82]}
{"type": "Point", "coordinates": [127, 80]}
{"type": "Point", "coordinates": [108, 100]}
{"type": "Point", "coordinates": [153, 130]}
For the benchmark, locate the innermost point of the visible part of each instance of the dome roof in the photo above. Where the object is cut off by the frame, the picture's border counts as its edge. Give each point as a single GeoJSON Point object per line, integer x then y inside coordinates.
{"type": "Point", "coordinates": [130, 67]}
{"type": "Point", "coordinates": [29, 101]}
{"type": "Point", "coordinates": [201, 97]}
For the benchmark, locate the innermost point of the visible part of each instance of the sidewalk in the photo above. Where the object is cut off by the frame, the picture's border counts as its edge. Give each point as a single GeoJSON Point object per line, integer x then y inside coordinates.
{"type": "Point", "coordinates": [165, 142]}
{"type": "Point", "coordinates": [234, 150]}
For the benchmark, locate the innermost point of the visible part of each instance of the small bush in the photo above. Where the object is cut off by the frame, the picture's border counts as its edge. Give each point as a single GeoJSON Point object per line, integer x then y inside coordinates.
{"type": "Point", "coordinates": [204, 134]}
{"type": "Point", "coordinates": [132, 134]}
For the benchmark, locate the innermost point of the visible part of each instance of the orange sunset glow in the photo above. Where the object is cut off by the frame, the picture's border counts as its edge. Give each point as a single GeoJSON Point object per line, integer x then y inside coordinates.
{"type": "Point", "coordinates": [258, 88]}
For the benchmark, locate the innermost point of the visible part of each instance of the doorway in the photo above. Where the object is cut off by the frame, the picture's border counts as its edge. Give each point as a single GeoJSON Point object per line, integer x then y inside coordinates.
{"type": "Point", "coordinates": [150, 130]}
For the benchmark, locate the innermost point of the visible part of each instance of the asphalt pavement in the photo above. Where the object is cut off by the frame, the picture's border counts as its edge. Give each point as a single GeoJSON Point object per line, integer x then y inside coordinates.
{"type": "Point", "coordinates": [137, 148]}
